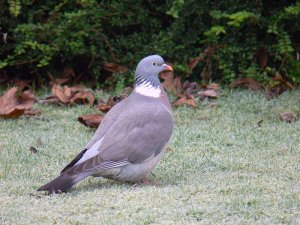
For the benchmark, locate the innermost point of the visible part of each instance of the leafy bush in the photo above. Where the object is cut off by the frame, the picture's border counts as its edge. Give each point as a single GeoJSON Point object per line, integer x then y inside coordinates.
{"type": "Point", "coordinates": [233, 38]}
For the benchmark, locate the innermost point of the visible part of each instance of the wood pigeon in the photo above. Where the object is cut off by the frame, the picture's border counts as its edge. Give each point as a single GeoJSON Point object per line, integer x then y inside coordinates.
{"type": "Point", "coordinates": [132, 137]}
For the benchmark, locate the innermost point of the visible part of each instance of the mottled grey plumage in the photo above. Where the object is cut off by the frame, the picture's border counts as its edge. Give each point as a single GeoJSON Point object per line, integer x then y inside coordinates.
{"type": "Point", "coordinates": [131, 139]}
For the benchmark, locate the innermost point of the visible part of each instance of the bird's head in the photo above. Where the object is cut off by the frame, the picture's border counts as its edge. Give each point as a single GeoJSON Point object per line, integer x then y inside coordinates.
{"type": "Point", "coordinates": [151, 66]}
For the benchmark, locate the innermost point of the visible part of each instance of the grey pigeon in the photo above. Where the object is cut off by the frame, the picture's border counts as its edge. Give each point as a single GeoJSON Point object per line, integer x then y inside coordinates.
{"type": "Point", "coordinates": [132, 137]}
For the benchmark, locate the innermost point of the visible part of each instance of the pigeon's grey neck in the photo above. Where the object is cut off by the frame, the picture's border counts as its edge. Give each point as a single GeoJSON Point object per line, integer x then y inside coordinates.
{"type": "Point", "coordinates": [151, 79]}
{"type": "Point", "coordinates": [147, 85]}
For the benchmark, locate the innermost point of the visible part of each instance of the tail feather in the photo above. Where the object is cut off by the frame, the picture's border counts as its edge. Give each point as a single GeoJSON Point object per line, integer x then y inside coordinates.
{"type": "Point", "coordinates": [61, 183]}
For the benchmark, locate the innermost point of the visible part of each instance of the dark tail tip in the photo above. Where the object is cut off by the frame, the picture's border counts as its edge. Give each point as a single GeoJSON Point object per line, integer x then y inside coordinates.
{"type": "Point", "coordinates": [59, 184]}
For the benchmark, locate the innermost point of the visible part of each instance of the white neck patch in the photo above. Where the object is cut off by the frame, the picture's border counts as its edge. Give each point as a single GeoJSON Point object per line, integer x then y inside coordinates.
{"type": "Point", "coordinates": [148, 90]}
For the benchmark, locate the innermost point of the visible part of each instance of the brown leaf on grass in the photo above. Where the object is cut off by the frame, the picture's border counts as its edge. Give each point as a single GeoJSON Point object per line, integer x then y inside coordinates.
{"type": "Point", "coordinates": [288, 117]}
{"type": "Point", "coordinates": [106, 106]}
{"type": "Point", "coordinates": [91, 120]}
{"type": "Point", "coordinates": [59, 92]}
{"type": "Point", "coordinates": [247, 82]}
{"type": "Point", "coordinates": [50, 100]}
{"type": "Point", "coordinates": [83, 97]}
{"type": "Point", "coordinates": [113, 67]}
{"type": "Point", "coordinates": [14, 102]}
{"type": "Point", "coordinates": [211, 93]}
{"type": "Point", "coordinates": [187, 101]}
{"type": "Point", "coordinates": [170, 83]}
{"type": "Point", "coordinates": [69, 95]}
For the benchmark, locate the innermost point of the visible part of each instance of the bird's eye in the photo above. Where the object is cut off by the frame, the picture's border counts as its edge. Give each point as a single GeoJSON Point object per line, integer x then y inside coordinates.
{"type": "Point", "coordinates": [153, 63]}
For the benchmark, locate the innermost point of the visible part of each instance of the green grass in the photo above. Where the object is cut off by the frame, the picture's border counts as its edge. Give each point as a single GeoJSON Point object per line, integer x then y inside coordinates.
{"type": "Point", "coordinates": [222, 168]}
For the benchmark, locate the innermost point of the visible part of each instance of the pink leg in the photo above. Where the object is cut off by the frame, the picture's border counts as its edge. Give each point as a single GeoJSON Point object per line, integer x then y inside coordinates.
{"type": "Point", "coordinates": [149, 182]}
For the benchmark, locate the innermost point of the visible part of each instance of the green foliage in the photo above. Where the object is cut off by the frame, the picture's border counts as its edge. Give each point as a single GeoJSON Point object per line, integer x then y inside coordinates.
{"type": "Point", "coordinates": [238, 18]}
{"type": "Point", "coordinates": [215, 31]}
{"type": "Point", "coordinates": [47, 36]}
{"type": "Point", "coordinates": [14, 7]}
{"type": "Point", "coordinates": [241, 34]}
{"type": "Point", "coordinates": [176, 8]}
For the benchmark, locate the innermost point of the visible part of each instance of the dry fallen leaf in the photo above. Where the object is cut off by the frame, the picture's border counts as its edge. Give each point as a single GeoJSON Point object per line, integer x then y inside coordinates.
{"type": "Point", "coordinates": [186, 101]}
{"type": "Point", "coordinates": [14, 102]}
{"type": "Point", "coordinates": [168, 83]}
{"type": "Point", "coordinates": [59, 92]}
{"type": "Point", "coordinates": [50, 100]}
{"type": "Point", "coordinates": [83, 97]}
{"type": "Point", "coordinates": [91, 120]}
{"type": "Point", "coordinates": [246, 82]}
{"type": "Point", "coordinates": [69, 95]}
{"type": "Point", "coordinates": [106, 106]}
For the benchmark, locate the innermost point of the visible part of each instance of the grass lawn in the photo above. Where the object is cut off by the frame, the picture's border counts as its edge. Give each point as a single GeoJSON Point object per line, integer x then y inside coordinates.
{"type": "Point", "coordinates": [222, 168]}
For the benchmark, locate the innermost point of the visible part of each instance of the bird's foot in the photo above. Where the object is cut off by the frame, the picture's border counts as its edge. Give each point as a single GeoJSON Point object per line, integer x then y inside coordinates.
{"type": "Point", "coordinates": [149, 182]}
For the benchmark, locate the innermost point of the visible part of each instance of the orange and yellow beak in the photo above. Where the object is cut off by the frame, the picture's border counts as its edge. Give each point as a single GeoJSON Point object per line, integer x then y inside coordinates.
{"type": "Point", "coordinates": [167, 68]}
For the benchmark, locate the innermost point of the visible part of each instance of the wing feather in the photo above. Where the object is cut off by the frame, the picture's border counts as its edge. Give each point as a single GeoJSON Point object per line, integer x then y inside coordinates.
{"type": "Point", "coordinates": [138, 134]}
